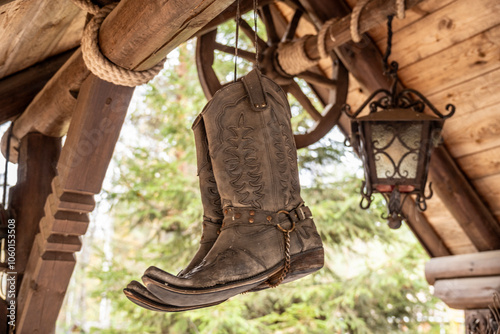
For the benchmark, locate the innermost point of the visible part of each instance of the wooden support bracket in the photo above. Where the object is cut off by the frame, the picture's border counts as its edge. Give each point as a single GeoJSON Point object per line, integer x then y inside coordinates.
{"type": "Point", "coordinates": [100, 111]}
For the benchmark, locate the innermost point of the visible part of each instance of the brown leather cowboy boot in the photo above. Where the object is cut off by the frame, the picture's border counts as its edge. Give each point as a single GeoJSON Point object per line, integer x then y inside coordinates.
{"type": "Point", "coordinates": [212, 221]}
{"type": "Point", "coordinates": [266, 228]}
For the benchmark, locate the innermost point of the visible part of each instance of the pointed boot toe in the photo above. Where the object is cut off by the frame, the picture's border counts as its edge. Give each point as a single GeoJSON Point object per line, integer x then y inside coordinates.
{"type": "Point", "coordinates": [186, 297]}
{"type": "Point", "coordinates": [139, 295]}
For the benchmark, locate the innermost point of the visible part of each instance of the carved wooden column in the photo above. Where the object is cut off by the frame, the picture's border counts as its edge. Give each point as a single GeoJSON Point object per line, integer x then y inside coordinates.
{"type": "Point", "coordinates": [97, 120]}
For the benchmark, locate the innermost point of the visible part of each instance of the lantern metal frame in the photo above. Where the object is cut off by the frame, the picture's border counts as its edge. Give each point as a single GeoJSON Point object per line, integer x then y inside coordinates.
{"type": "Point", "coordinates": [392, 106]}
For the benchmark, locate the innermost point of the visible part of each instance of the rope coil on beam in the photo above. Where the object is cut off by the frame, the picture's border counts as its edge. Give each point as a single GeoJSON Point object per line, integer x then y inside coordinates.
{"type": "Point", "coordinates": [322, 37]}
{"type": "Point", "coordinates": [294, 59]}
{"type": "Point", "coordinates": [101, 66]}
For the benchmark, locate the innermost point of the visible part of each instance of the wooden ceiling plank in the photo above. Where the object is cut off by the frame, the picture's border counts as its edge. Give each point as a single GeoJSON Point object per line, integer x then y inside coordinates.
{"type": "Point", "coordinates": [18, 90]}
{"type": "Point", "coordinates": [469, 97]}
{"type": "Point", "coordinates": [488, 187]}
{"type": "Point", "coordinates": [463, 202]}
{"type": "Point", "coordinates": [478, 54]}
{"type": "Point", "coordinates": [482, 133]}
{"type": "Point", "coordinates": [481, 164]}
{"type": "Point", "coordinates": [450, 25]}
{"type": "Point", "coordinates": [100, 111]}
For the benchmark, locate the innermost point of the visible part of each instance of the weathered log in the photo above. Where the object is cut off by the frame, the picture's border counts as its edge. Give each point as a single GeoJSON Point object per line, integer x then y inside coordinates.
{"type": "Point", "coordinates": [19, 89]}
{"type": "Point", "coordinates": [467, 293]}
{"type": "Point", "coordinates": [465, 265]}
{"type": "Point", "coordinates": [463, 202]}
{"type": "Point", "coordinates": [137, 37]}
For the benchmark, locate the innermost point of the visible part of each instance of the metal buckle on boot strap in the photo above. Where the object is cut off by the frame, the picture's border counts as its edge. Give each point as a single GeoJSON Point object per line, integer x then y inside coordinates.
{"type": "Point", "coordinates": [286, 231]}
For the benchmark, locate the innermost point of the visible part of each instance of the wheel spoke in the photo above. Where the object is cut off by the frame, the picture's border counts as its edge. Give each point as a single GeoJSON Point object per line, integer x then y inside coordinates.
{"type": "Point", "coordinates": [247, 55]}
{"type": "Point", "coordinates": [247, 29]}
{"type": "Point", "coordinates": [297, 92]}
{"type": "Point", "coordinates": [292, 26]}
{"type": "Point", "coordinates": [267, 17]}
{"type": "Point", "coordinates": [318, 79]}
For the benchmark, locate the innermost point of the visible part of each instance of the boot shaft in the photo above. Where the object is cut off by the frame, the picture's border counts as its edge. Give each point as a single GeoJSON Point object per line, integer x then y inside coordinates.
{"type": "Point", "coordinates": [251, 145]}
{"type": "Point", "coordinates": [210, 198]}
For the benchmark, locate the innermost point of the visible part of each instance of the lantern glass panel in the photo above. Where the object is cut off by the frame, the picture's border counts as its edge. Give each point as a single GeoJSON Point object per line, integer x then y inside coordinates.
{"type": "Point", "coordinates": [396, 149]}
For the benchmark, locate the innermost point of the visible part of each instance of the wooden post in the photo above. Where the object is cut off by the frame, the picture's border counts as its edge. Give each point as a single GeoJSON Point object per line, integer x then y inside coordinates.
{"type": "Point", "coordinates": [100, 111]}
{"type": "Point", "coordinates": [37, 161]}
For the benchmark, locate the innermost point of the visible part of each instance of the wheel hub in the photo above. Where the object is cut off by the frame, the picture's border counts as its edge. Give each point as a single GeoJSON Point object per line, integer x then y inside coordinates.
{"type": "Point", "coordinates": [270, 67]}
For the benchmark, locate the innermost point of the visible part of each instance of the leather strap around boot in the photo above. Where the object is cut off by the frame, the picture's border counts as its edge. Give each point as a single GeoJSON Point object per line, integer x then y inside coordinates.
{"type": "Point", "coordinates": [252, 216]}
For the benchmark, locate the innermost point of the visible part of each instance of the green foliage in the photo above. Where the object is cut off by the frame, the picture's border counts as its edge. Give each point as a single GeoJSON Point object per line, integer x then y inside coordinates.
{"type": "Point", "coordinates": [372, 280]}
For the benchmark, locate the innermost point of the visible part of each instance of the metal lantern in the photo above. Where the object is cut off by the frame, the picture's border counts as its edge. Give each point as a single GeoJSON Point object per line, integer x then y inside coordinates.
{"type": "Point", "coordinates": [395, 142]}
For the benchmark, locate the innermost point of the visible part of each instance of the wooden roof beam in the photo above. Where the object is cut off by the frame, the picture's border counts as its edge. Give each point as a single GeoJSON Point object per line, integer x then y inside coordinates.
{"type": "Point", "coordinates": [137, 37]}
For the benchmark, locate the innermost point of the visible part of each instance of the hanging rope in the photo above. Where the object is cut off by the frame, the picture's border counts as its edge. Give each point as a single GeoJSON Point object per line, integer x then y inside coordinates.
{"type": "Point", "coordinates": [236, 42]}
{"type": "Point", "coordinates": [356, 12]}
{"type": "Point", "coordinates": [256, 37]}
{"type": "Point", "coordinates": [100, 66]}
{"type": "Point", "coordinates": [292, 56]}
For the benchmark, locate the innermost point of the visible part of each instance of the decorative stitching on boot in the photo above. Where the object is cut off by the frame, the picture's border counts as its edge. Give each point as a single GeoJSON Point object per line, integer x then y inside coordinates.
{"type": "Point", "coordinates": [243, 153]}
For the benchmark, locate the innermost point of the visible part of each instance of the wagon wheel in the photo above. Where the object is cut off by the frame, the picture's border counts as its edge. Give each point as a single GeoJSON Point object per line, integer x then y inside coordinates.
{"type": "Point", "coordinates": [327, 93]}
